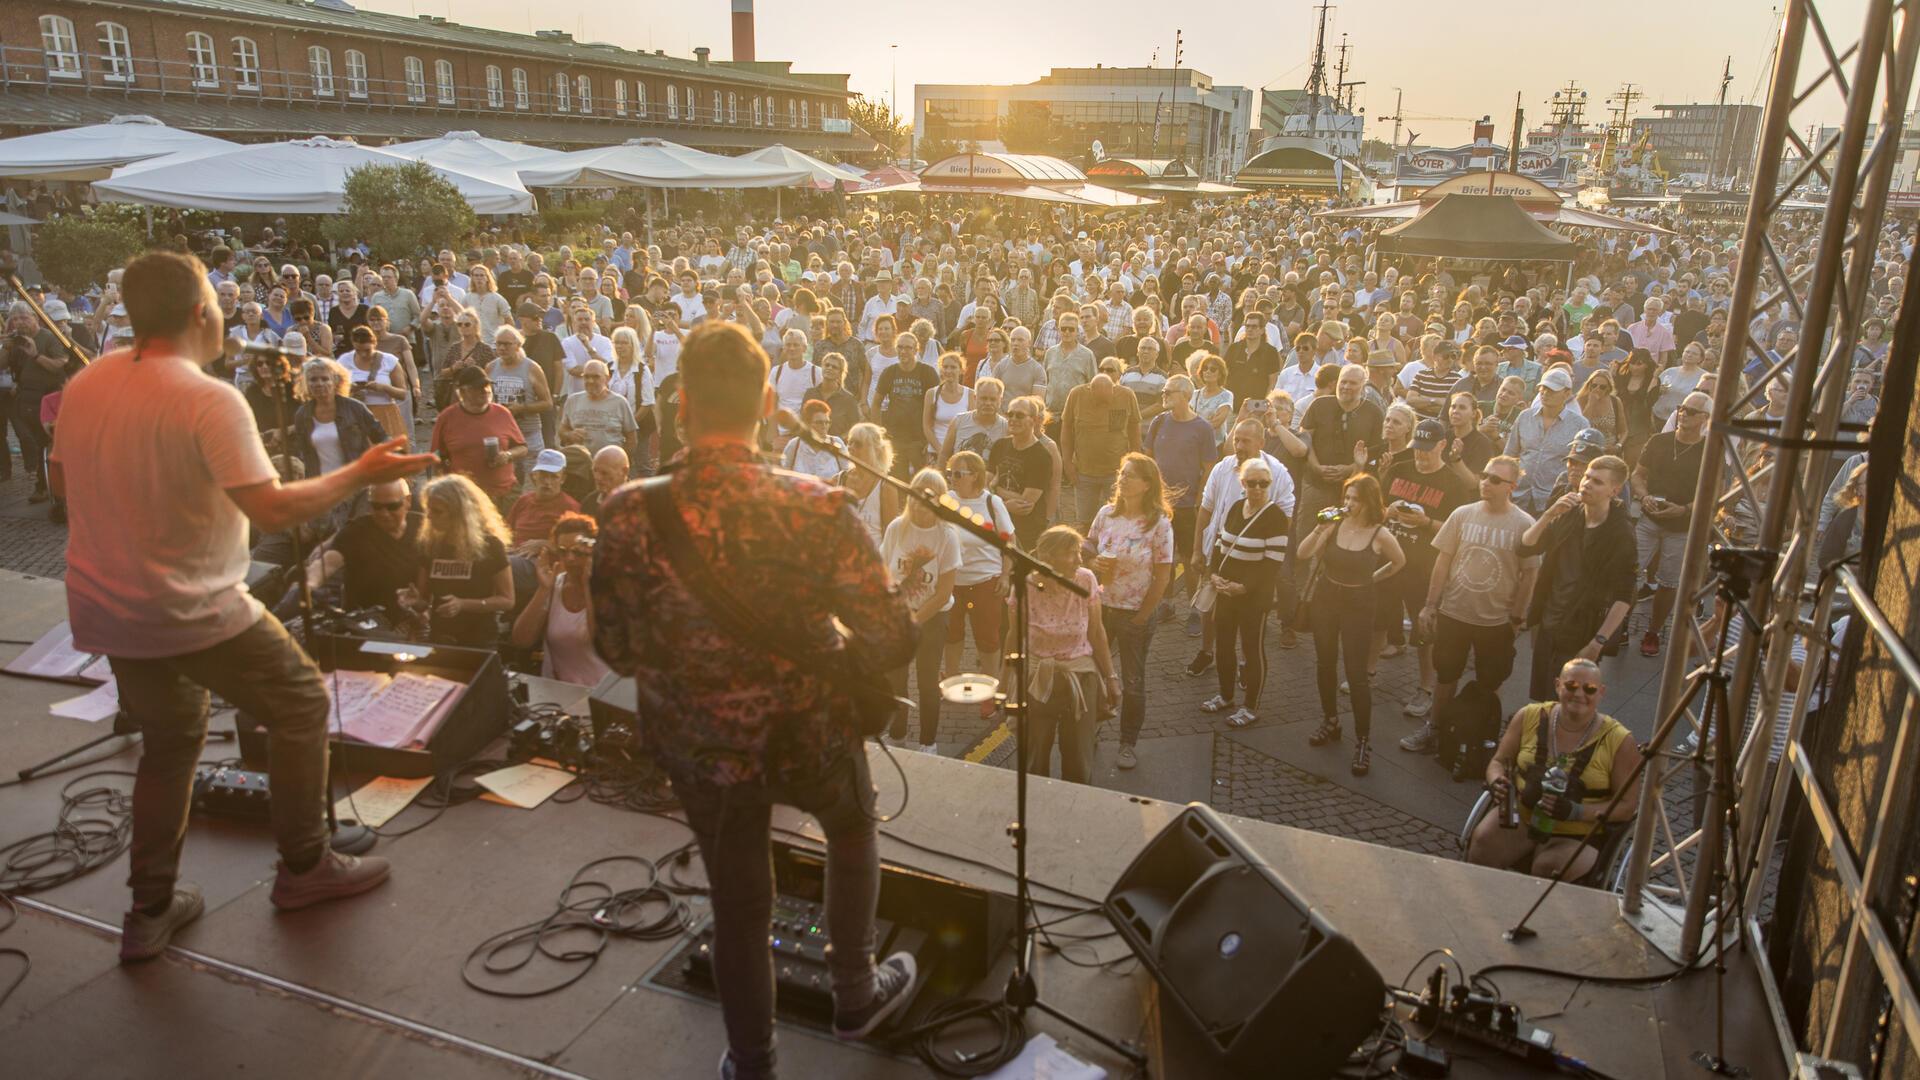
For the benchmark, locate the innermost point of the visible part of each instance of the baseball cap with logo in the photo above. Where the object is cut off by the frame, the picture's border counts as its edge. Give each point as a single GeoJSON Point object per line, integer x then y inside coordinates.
{"type": "Point", "coordinates": [1428, 434]}
{"type": "Point", "coordinates": [1588, 443]}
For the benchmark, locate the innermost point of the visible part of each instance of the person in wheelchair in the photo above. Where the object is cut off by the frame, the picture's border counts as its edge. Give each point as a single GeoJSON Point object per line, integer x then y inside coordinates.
{"type": "Point", "coordinates": [1600, 753]}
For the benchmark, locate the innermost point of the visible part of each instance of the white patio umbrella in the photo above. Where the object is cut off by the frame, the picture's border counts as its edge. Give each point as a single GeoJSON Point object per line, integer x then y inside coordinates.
{"type": "Point", "coordinates": [305, 176]}
{"type": "Point", "coordinates": [820, 174]}
{"type": "Point", "coordinates": [468, 150]}
{"type": "Point", "coordinates": [94, 151]}
{"type": "Point", "coordinates": [654, 163]}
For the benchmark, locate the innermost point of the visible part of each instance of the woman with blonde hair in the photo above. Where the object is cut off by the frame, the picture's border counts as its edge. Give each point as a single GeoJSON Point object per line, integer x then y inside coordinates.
{"type": "Point", "coordinates": [922, 556]}
{"type": "Point", "coordinates": [465, 582]}
{"type": "Point", "coordinates": [1601, 406]}
{"type": "Point", "coordinates": [484, 297]}
{"type": "Point", "coordinates": [1069, 665]}
{"type": "Point", "coordinates": [1131, 540]}
{"type": "Point", "coordinates": [874, 503]}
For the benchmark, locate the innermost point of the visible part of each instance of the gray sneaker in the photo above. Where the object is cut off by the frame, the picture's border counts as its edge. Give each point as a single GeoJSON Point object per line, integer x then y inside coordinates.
{"type": "Point", "coordinates": [1420, 704]}
{"type": "Point", "coordinates": [1420, 742]}
{"type": "Point", "coordinates": [143, 937]}
{"type": "Point", "coordinates": [335, 876]}
{"type": "Point", "coordinates": [1126, 758]}
{"type": "Point", "coordinates": [892, 984]}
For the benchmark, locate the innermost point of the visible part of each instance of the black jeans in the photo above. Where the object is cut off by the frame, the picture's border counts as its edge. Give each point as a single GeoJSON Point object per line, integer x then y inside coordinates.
{"type": "Point", "coordinates": [1130, 642]}
{"type": "Point", "coordinates": [1343, 623]}
{"type": "Point", "coordinates": [1554, 644]}
{"type": "Point", "coordinates": [926, 671]}
{"type": "Point", "coordinates": [733, 825]}
{"type": "Point", "coordinates": [1243, 617]}
{"type": "Point", "coordinates": [34, 440]}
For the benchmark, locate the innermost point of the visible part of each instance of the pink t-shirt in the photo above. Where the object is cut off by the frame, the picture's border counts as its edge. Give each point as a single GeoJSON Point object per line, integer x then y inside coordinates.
{"type": "Point", "coordinates": [1137, 548]}
{"type": "Point", "coordinates": [1058, 618]}
{"type": "Point", "coordinates": [156, 550]}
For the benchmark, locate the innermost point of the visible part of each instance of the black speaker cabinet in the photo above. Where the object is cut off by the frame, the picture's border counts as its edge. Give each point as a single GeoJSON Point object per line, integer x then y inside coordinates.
{"type": "Point", "coordinates": [1270, 986]}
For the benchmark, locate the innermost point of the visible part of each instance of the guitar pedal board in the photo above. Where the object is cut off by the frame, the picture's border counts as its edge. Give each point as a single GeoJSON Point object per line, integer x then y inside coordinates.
{"type": "Point", "coordinates": [802, 981]}
{"type": "Point", "coordinates": [238, 793]}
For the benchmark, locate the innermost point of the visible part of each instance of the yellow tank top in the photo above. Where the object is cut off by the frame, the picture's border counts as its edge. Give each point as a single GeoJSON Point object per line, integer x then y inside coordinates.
{"type": "Point", "coordinates": [1596, 778]}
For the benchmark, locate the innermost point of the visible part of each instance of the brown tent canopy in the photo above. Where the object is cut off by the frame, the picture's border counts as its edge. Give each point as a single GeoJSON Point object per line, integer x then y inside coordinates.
{"type": "Point", "coordinates": [1477, 227]}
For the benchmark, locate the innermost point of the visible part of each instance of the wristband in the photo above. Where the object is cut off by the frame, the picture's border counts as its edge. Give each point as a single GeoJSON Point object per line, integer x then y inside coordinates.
{"type": "Point", "coordinates": [1599, 639]}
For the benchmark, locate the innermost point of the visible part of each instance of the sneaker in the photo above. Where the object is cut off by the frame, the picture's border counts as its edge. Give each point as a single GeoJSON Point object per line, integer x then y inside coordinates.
{"type": "Point", "coordinates": [1126, 758]}
{"type": "Point", "coordinates": [1289, 639]}
{"type": "Point", "coordinates": [1423, 741]}
{"type": "Point", "coordinates": [1420, 704]}
{"type": "Point", "coordinates": [1344, 688]}
{"type": "Point", "coordinates": [1362, 756]}
{"type": "Point", "coordinates": [1214, 704]}
{"type": "Point", "coordinates": [891, 982]}
{"type": "Point", "coordinates": [1650, 644]}
{"type": "Point", "coordinates": [335, 876]}
{"type": "Point", "coordinates": [1242, 716]}
{"type": "Point", "coordinates": [1193, 624]}
{"type": "Point", "coordinates": [1392, 651]}
{"type": "Point", "coordinates": [930, 748]}
{"type": "Point", "coordinates": [143, 937]}
{"type": "Point", "coordinates": [1201, 662]}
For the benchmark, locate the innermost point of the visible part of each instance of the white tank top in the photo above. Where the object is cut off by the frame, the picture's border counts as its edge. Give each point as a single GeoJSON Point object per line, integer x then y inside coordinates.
{"type": "Point", "coordinates": [569, 644]}
{"type": "Point", "coordinates": [869, 511]}
{"type": "Point", "coordinates": [944, 411]}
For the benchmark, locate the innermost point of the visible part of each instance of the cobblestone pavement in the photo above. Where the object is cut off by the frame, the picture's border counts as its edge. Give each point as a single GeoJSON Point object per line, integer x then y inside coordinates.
{"type": "Point", "coordinates": [29, 542]}
{"type": "Point", "coordinates": [1252, 784]}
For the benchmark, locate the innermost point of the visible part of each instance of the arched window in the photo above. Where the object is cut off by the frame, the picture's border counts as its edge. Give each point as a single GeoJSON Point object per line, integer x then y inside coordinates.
{"type": "Point", "coordinates": [562, 94]}
{"type": "Point", "coordinates": [496, 95]}
{"type": "Point", "coordinates": [759, 113]}
{"type": "Point", "coordinates": [61, 47]}
{"type": "Point", "coordinates": [246, 64]}
{"type": "Point", "coordinates": [584, 88]}
{"type": "Point", "coordinates": [206, 63]}
{"type": "Point", "coordinates": [673, 102]}
{"type": "Point", "coordinates": [733, 108]}
{"type": "Point", "coordinates": [639, 99]}
{"type": "Point", "coordinates": [443, 81]}
{"type": "Point", "coordinates": [520, 94]}
{"type": "Point", "coordinates": [803, 113]}
{"type": "Point", "coordinates": [356, 73]}
{"type": "Point", "coordinates": [116, 50]}
{"type": "Point", "coordinates": [416, 80]}
{"type": "Point", "coordinates": [320, 63]}
{"type": "Point", "coordinates": [620, 97]}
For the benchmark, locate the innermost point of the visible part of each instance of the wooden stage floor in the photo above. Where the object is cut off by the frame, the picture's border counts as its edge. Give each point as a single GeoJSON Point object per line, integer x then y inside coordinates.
{"type": "Point", "coordinates": [371, 987]}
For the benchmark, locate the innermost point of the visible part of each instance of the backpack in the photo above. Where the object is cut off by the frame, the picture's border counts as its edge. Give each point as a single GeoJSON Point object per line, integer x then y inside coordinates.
{"type": "Point", "coordinates": [1467, 729]}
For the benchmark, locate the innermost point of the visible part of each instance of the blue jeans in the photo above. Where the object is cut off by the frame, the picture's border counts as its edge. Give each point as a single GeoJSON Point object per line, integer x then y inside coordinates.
{"type": "Point", "coordinates": [1130, 642]}
{"type": "Point", "coordinates": [1089, 494]}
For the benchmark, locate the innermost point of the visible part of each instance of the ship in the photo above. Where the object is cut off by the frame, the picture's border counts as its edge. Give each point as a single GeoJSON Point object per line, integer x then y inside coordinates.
{"type": "Point", "coordinates": [1314, 134]}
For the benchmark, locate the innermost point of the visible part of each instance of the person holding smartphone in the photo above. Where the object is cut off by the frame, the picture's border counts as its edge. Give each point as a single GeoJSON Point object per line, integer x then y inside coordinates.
{"type": "Point", "coordinates": [1663, 484]}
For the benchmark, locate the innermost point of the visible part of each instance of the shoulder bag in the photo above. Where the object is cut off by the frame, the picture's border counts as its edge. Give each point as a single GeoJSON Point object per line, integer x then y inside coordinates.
{"type": "Point", "coordinates": [1204, 595]}
{"type": "Point", "coordinates": [868, 692]}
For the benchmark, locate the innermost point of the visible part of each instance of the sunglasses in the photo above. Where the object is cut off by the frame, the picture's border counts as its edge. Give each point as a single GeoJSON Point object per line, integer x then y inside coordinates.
{"type": "Point", "coordinates": [1262, 484]}
{"type": "Point", "coordinates": [1590, 689]}
{"type": "Point", "coordinates": [1019, 414]}
{"type": "Point", "coordinates": [1495, 477]}
{"type": "Point", "coordinates": [1691, 411]}
{"type": "Point", "coordinates": [389, 507]}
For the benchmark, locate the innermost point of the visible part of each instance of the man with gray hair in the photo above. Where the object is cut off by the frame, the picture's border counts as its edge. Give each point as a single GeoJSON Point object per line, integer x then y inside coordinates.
{"type": "Point", "coordinates": [596, 417]}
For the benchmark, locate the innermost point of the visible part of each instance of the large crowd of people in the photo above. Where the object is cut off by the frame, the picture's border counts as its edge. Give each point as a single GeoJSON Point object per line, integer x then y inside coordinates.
{"type": "Point", "coordinates": [1228, 414]}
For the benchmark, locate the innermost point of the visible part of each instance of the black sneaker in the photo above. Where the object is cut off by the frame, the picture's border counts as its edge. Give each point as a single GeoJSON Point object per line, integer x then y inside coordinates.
{"type": "Point", "coordinates": [1201, 662]}
{"type": "Point", "coordinates": [892, 982]}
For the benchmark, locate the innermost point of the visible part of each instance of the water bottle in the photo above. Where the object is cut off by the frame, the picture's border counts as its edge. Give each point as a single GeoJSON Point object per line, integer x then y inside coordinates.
{"type": "Point", "coordinates": [1540, 826]}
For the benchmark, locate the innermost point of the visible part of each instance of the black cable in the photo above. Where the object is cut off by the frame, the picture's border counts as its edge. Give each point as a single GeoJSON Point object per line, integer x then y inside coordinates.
{"type": "Point", "coordinates": [94, 826]}
{"type": "Point", "coordinates": [26, 962]}
{"type": "Point", "coordinates": [1009, 1039]}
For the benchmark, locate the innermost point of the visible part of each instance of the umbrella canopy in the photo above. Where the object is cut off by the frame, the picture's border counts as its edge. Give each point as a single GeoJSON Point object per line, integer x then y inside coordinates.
{"type": "Point", "coordinates": [306, 176]}
{"type": "Point", "coordinates": [469, 150]}
{"type": "Point", "coordinates": [7, 219]}
{"type": "Point", "coordinates": [1571, 216]}
{"type": "Point", "coordinates": [889, 174]}
{"type": "Point", "coordinates": [655, 163]}
{"type": "Point", "coordinates": [94, 151]}
{"type": "Point", "coordinates": [1477, 227]}
{"type": "Point", "coordinates": [1080, 194]}
{"type": "Point", "coordinates": [821, 174]}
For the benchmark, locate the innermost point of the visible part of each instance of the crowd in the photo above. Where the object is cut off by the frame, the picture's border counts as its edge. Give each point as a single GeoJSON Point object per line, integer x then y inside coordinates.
{"type": "Point", "coordinates": [1229, 414]}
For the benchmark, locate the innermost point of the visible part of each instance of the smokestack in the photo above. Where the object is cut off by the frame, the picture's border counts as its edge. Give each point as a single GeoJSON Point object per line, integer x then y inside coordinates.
{"type": "Point", "coordinates": [743, 31]}
{"type": "Point", "coordinates": [700, 54]}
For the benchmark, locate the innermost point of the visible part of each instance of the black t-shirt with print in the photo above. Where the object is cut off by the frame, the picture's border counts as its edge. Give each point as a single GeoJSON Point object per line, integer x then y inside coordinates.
{"type": "Point", "coordinates": [467, 580]}
{"type": "Point", "coordinates": [1439, 493]}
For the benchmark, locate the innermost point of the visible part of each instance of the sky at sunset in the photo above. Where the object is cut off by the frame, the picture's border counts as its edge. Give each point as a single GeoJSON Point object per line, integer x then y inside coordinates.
{"type": "Point", "coordinates": [1451, 59]}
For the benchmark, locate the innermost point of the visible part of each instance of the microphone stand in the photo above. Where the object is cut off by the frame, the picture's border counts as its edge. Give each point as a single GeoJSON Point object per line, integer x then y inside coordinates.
{"type": "Point", "coordinates": [1022, 992]}
{"type": "Point", "coordinates": [354, 838]}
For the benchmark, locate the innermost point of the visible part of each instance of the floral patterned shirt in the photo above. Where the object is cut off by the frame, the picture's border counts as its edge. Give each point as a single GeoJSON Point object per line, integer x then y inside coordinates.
{"type": "Point", "coordinates": [788, 546]}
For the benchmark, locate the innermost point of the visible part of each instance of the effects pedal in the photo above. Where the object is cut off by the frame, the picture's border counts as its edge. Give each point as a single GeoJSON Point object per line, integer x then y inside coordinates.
{"type": "Point", "coordinates": [1470, 1013]}
{"type": "Point", "coordinates": [227, 792]}
{"type": "Point", "coordinates": [802, 981]}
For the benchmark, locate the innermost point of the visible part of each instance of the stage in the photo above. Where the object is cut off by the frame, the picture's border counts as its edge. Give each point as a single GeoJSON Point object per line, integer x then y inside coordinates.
{"type": "Point", "coordinates": [371, 987]}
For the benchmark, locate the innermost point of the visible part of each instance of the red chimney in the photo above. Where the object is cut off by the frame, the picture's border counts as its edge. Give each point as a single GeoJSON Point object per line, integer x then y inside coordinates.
{"type": "Point", "coordinates": [743, 31]}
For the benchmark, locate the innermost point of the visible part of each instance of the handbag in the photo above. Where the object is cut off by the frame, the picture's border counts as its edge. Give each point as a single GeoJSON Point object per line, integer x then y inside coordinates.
{"type": "Point", "coordinates": [868, 692]}
{"type": "Point", "coordinates": [1205, 595]}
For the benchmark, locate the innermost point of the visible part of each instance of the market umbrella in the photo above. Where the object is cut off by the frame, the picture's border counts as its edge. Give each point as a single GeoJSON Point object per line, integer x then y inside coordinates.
{"type": "Point", "coordinates": [469, 150]}
{"type": "Point", "coordinates": [820, 174]}
{"type": "Point", "coordinates": [654, 163]}
{"type": "Point", "coordinates": [94, 151]}
{"type": "Point", "coordinates": [305, 176]}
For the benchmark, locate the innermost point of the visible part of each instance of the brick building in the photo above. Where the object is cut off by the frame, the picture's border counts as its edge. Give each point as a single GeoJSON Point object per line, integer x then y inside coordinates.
{"type": "Point", "coordinates": [253, 70]}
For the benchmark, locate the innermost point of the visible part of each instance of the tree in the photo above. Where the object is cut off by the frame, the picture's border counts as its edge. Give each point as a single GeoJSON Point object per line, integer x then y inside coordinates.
{"type": "Point", "coordinates": [399, 210]}
{"type": "Point", "coordinates": [879, 120]}
{"type": "Point", "coordinates": [76, 251]}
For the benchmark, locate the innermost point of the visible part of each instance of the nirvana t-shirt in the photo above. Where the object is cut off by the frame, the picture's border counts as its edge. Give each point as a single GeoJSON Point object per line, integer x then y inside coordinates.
{"type": "Point", "coordinates": [468, 580]}
{"type": "Point", "coordinates": [377, 565]}
{"type": "Point", "coordinates": [1486, 563]}
{"type": "Point", "coordinates": [1439, 493]}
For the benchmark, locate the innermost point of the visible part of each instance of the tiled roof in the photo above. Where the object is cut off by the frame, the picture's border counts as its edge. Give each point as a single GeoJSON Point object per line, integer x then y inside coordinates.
{"type": "Point", "coordinates": [341, 17]}
{"type": "Point", "coordinates": [37, 109]}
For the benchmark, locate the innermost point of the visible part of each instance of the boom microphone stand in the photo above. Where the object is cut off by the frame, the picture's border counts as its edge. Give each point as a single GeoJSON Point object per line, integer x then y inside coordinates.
{"type": "Point", "coordinates": [1021, 993]}
{"type": "Point", "coordinates": [354, 838]}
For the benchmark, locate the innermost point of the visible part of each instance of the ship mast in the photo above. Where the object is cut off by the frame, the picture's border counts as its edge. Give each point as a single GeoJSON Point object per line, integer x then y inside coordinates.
{"type": "Point", "coordinates": [1317, 78]}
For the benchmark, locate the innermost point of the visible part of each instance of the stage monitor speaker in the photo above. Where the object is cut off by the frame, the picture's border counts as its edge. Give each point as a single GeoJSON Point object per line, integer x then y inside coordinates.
{"type": "Point", "coordinates": [1266, 981]}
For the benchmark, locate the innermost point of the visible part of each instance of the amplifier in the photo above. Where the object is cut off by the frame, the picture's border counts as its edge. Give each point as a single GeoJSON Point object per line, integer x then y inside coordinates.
{"type": "Point", "coordinates": [232, 793]}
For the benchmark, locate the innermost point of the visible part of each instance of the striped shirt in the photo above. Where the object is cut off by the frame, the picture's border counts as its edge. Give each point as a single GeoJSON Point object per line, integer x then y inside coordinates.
{"type": "Point", "coordinates": [1250, 551]}
{"type": "Point", "coordinates": [1435, 384]}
